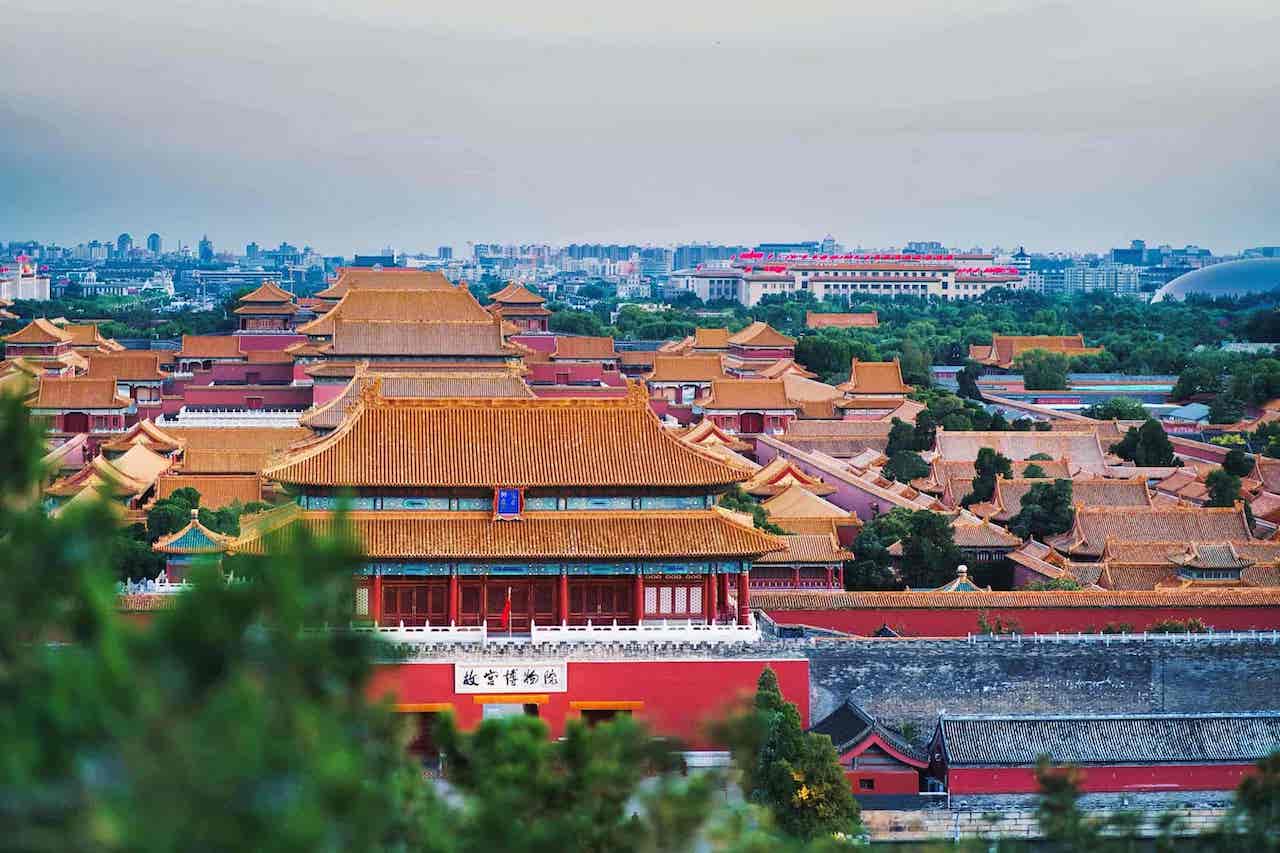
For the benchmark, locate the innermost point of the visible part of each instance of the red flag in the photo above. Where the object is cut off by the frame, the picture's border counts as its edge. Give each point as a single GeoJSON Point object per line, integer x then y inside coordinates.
{"type": "Point", "coordinates": [506, 610]}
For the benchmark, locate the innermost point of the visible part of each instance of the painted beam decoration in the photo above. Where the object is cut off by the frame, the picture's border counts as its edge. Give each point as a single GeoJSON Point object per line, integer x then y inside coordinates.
{"type": "Point", "coordinates": [486, 677]}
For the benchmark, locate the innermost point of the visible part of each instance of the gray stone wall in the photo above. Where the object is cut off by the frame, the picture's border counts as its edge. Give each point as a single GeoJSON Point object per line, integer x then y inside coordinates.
{"type": "Point", "coordinates": [912, 681]}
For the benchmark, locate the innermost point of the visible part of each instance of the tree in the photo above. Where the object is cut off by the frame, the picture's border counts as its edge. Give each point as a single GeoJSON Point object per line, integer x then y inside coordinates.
{"type": "Point", "coordinates": [1225, 409]}
{"type": "Point", "coordinates": [739, 501]}
{"type": "Point", "coordinates": [930, 556]}
{"type": "Point", "coordinates": [1237, 462]}
{"type": "Point", "coordinates": [171, 514]}
{"type": "Point", "coordinates": [1146, 446]}
{"type": "Point", "coordinates": [1256, 812]}
{"type": "Point", "coordinates": [1043, 370]}
{"type": "Point", "coordinates": [1046, 510]}
{"type": "Point", "coordinates": [914, 363]}
{"type": "Point", "coordinates": [1063, 584]}
{"type": "Point", "coordinates": [523, 791]}
{"type": "Point", "coordinates": [1117, 408]}
{"type": "Point", "coordinates": [872, 566]}
{"type": "Point", "coordinates": [988, 465]}
{"type": "Point", "coordinates": [1224, 488]}
{"type": "Point", "coordinates": [576, 323]}
{"type": "Point", "coordinates": [795, 774]}
{"type": "Point", "coordinates": [1033, 472]}
{"type": "Point", "coordinates": [130, 738]}
{"type": "Point", "coordinates": [968, 379]}
{"type": "Point", "coordinates": [1196, 380]}
{"type": "Point", "coordinates": [905, 466]}
{"type": "Point", "coordinates": [902, 437]}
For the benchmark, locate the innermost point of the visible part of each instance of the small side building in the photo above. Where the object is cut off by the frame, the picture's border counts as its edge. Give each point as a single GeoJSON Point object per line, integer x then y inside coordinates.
{"type": "Point", "coordinates": [1115, 753]}
{"type": "Point", "coordinates": [877, 761]}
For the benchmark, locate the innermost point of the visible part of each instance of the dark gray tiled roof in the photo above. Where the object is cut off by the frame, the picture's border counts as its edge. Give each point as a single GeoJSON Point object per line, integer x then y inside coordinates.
{"type": "Point", "coordinates": [1127, 739]}
{"type": "Point", "coordinates": [848, 725]}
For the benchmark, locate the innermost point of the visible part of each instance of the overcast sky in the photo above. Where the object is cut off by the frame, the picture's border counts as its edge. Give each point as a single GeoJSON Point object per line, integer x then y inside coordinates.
{"type": "Point", "coordinates": [350, 125]}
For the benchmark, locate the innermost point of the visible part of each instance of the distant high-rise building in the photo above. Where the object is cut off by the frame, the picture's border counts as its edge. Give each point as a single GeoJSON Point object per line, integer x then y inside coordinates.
{"type": "Point", "coordinates": [252, 250]}
{"type": "Point", "coordinates": [1135, 255]}
{"type": "Point", "coordinates": [1108, 276]}
{"type": "Point", "coordinates": [807, 247]}
{"type": "Point", "coordinates": [445, 253]}
{"type": "Point", "coordinates": [925, 247]}
{"type": "Point", "coordinates": [155, 245]}
{"type": "Point", "coordinates": [694, 254]}
{"type": "Point", "coordinates": [124, 243]}
{"type": "Point", "coordinates": [656, 262]}
{"type": "Point", "coordinates": [206, 249]}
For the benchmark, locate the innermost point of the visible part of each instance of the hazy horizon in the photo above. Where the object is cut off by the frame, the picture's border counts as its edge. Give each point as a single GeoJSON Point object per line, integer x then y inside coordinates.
{"type": "Point", "coordinates": [349, 126]}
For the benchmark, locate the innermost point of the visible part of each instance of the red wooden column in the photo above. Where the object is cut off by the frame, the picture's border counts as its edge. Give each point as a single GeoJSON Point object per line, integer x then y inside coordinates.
{"type": "Point", "coordinates": [722, 595]}
{"type": "Point", "coordinates": [375, 606]}
{"type": "Point", "coordinates": [830, 577]}
{"type": "Point", "coordinates": [639, 597]}
{"type": "Point", "coordinates": [711, 598]}
{"type": "Point", "coordinates": [840, 577]}
{"type": "Point", "coordinates": [563, 603]}
{"type": "Point", "coordinates": [744, 598]}
{"type": "Point", "coordinates": [453, 599]}
{"type": "Point", "coordinates": [795, 578]}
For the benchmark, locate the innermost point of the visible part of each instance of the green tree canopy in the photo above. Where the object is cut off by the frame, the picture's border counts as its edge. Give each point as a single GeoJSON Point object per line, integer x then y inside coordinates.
{"type": "Point", "coordinates": [905, 466]}
{"type": "Point", "coordinates": [1117, 408]}
{"type": "Point", "coordinates": [1237, 462]}
{"type": "Point", "coordinates": [1046, 510]}
{"type": "Point", "coordinates": [1043, 370]}
{"type": "Point", "coordinates": [1224, 488]}
{"type": "Point", "coordinates": [988, 465]}
{"type": "Point", "coordinates": [1146, 446]}
{"type": "Point", "coordinates": [930, 556]}
{"type": "Point", "coordinates": [795, 774]}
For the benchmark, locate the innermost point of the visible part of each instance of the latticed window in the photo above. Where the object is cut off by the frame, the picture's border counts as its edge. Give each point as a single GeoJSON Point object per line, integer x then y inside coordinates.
{"type": "Point", "coordinates": [673, 600]}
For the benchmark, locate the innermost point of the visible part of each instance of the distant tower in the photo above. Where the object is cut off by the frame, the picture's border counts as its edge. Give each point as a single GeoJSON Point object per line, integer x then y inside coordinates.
{"type": "Point", "coordinates": [124, 244]}
{"type": "Point", "coordinates": [155, 245]}
{"type": "Point", "coordinates": [445, 253]}
{"type": "Point", "coordinates": [206, 249]}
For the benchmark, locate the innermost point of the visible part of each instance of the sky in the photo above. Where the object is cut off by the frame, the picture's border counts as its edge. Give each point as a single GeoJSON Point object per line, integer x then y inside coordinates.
{"type": "Point", "coordinates": [353, 125]}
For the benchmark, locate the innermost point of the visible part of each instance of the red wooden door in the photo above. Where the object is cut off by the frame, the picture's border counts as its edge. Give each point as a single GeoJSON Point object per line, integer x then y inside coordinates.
{"type": "Point", "coordinates": [75, 422]}
{"type": "Point", "coordinates": [601, 600]}
{"type": "Point", "coordinates": [751, 422]}
{"type": "Point", "coordinates": [415, 602]}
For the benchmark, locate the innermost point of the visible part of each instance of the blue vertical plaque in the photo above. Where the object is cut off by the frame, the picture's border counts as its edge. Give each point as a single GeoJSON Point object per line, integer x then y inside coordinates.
{"type": "Point", "coordinates": [509, 501]}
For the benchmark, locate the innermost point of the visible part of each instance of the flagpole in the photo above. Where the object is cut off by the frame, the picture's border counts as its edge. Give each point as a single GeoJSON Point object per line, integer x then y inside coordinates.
{"type": "Point", "coordinates": [508, 612]}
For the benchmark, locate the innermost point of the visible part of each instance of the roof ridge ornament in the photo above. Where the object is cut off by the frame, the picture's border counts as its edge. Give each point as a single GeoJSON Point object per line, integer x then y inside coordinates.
{"type": "Point", "coordinates": [371, 393]}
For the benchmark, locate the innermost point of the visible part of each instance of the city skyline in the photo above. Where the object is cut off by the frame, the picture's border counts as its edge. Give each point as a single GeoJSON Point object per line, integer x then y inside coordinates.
{"type": "Point", "coordinates": [1044, 125]}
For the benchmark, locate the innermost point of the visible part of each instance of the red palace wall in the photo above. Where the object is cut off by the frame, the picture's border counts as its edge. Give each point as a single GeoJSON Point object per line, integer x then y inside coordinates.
{"type": "Point", "coordinates": [270, 373]}
{"type": "Point", "coordinates": [270, 342]}
{"type": "Point", "coordinates": [959, 622]}
{"type": "Point", "coordinates": [884, 781]}
{"type": "Point", "coordinates": [1159, 777]}
{"type": "Point", "coordinates": [236, 396]}
{"type": "Point", "coordinates": [763, 352]}
{"type": "Point", "coordinates": [676, 698]}
{"type": "Point", "coordinates": [552, 391]}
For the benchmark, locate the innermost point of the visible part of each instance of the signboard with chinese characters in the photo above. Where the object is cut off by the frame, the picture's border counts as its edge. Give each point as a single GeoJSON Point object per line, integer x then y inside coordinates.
{"type": "Point", "coordinates": [509, 503]}
{"type": "Point", "coordinates": [508, 677]}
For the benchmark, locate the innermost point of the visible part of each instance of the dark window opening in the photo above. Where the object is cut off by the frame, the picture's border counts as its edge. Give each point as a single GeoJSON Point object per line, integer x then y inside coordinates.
{"type": "Point", "coordinates": [596, 716]}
